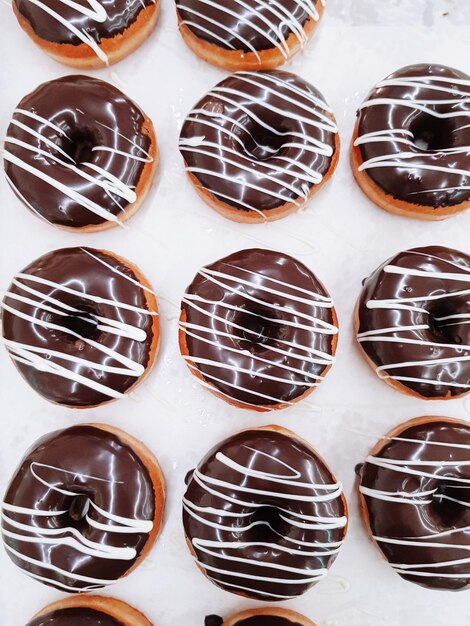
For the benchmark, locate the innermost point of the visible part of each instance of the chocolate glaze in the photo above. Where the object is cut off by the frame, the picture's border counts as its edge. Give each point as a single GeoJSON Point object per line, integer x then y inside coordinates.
{"type": "Point", "coordinates": [213, 620]}
{"type": "Point", "coordinates": [266, 336]}
{"type": "Point", "coordinates": [246, 27]}
{"type": "Point", "coordinates": [75, 616]}
{"type": "Point", "coordinates": [252, 504]}
{"type": "Point", "coordinates": [106, 472]}
{"type": "Point", "coordinates": [409, 181]}
{"type": "Point", "coordinates": [90, 114]}
{"type": "Point", "coordinates": [252, 141]}
{"type": "Point", "coordinates": [121, 14]}
{"type": "Point", "coordinates": [435, 339]}
{"type": "Point", "coordinates": [75, 269]}
{"type": "Point", "coordinates": [405, 521]}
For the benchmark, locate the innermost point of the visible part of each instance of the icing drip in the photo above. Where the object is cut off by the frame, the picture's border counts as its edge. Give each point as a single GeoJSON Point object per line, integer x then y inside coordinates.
{"type": "Point", "coordinates": [414, 315]}
{"type": "Point", "coordinates": [259, 327]}
{"type": "Point", "coordinates": [264, 516]}
{"type": "Point", "coordinates": [79, 510]}
{"type": "Point", "coordinates": [416, 491]}
{"type": "Point", "coordinates": [55, 329]}
{"type": "Point", "coordinates": [259, 140]}
{"type": "Point", "coordinates": [250, 25]}
{"type": "Point", "coordinates": [414, 136]}
{"type": "Point", "coordinates": [83, 167]}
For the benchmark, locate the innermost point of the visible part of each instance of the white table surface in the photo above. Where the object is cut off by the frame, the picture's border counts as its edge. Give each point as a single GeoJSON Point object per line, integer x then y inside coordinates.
{"type": "Point", "coordinates": [341, 236]}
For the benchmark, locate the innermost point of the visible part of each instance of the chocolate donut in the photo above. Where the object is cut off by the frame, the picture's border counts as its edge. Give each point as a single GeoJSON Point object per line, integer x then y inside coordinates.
{"type": "Point", "coordinates": [87, 34]}
{"type": "Point", "coordinates": [416, 501]}
{"type": "Point", "coordinates": [83, 508]}
{"type": "Point", "coordinates": [413, 322]}
{"type": "Point", "coordinates": [263, 515]}
{"type": "Point", "coordinates": [81, 325]}
{"type": "Point", "coordinates": [268, 616]}
{"type": "Point", "coordinates": [258, 329]}
{"type": "Point", "coordinates": [80, 154]}
{"type": "Point", "coordinates": [89, 611]}
{"type": "Point", "coordinates": [410, 150]}
{"type": "Point", "coordinates": [249, 35]}
{"type": "Point", "coordinates": [259, 145]}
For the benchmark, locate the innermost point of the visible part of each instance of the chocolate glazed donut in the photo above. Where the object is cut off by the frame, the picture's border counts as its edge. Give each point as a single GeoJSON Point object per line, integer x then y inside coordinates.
{"type": "Point", "coordinates": [268, 616]}
{"type": "Point", "coordinates": [247, 35]}
{"type": "Point", "coordinates": [259, 145]}
{"type": "Point", "coordinates": [80, 154]}
{"type": "Point", "coordinates": [416, 501]}
{"type": "Point", "coordinates": [87, 610]}
{"type": "Point", "coordinates": [81, 325]}
{"type": "Point", "coordinates": [410, 150]}
{"type": "Point", "coordinates": [87, 34]}
{"type": "Point", "coordinates": [258, 329]}
{"type": "Point", "coordinates": [412, 322]}
{"type": "Point", "coordinates": [83, 508]}
{"type": "Point", "coordinates": [263, 515]}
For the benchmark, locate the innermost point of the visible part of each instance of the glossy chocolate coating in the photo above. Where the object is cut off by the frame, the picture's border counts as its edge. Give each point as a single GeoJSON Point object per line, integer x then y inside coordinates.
{"type": "Point", "coordinates": [253, 141]}
{"type": "Point", "coordinates": [433, 339]}
{"type": "Point", "coordinates": [120, 15]}
{"type": "Point", "coordinates": [273, 334]}
{"type": "Point", "coordinates": [254, 620]}
{"type": "Point", "coordinates": [75, 616]}
{"type": "Point", "coordinates": [256, 508]}
{"type": "Point", "coordinates": [99, 466]}
{"type": "Point", "coordinates": [74, 268]}
{"type": "Point", "coordinates": [93, 114]}
{"type": "Point", "coordinates": [405, 521]}
{"type": "Point", "coordinates": [410, 182]}
{"type": "Point", "coordinates": [247, 26]}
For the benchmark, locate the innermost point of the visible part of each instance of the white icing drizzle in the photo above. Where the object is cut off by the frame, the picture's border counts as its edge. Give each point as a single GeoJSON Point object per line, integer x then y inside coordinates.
{"type": "Point", "coordinates": [410, 334]}
{"type": "Point", "coordinates": [303, 178]}
{"type": "Point", "coordinates": [292, 352]}
{"type": "Point", "coordinates": [411, 467]}
{"type": "Point", "coordinates": [254, 571]}
{"type": "Point", "coordinates": [57, 535]}
{"type": "Point", "coordinates": [34, 125]}
{"type": "Point", "coordinates": [278, 22]}
{"type": "Point", "coordinates": [410, 159]}
{"type": "Point", "coordinates": [62, 364]}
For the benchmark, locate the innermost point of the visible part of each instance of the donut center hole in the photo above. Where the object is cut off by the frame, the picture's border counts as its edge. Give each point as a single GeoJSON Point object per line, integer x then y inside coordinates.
{"type": "Point", "coordinates": [449, 511]}
{"type": "Point", "coordinates": [79, 145]}
{"type": "Point", "coordinates": [263, 142]}
{"type": "Point", "coordinates": [432, 134]}
{"type": "Point", "coordinates": [81, 323]}
{"type": "Point", "coordinates": [257, 330]}
{"type": "Point", "coordinates": [79, 507]}
{"type": "Point", "coordinates": [444, 326]}
{"type": "Point", "coordinates": [267, 516]}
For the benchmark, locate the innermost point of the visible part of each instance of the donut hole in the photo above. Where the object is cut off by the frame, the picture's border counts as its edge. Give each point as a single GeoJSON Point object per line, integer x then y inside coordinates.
{"type": "Point", "coordinates": [79, 507]}
{"type": "Point", "coordinates": [442, 327]}
{"type": "Point", "coordinates": [264, 141]}
{"type": "Point", "coordinates": [256, 328]}
{"type": "Point", "coordinates": [82, 323]}
{"type": "Point", "coordinates": [79, 145]}
{"type": "Point", "coordinates": [448, 511]}
{"type": "Point", "coordinates": [266, 517]}
{"type": "Point", "coordinates": [431, 134]}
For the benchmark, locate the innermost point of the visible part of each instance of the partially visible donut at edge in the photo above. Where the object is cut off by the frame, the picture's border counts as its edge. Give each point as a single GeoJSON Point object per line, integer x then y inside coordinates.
{"type": "Point", "coordinates": [88, 610]}
{"type": "Point", "coordinates": [249, 35]}
{"type": "Point", "coordinates": [268, 616]}
{"type": "Point", "coordinates": [409, 150]}
{"type": "Point", "coordinates": [90, 36]}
